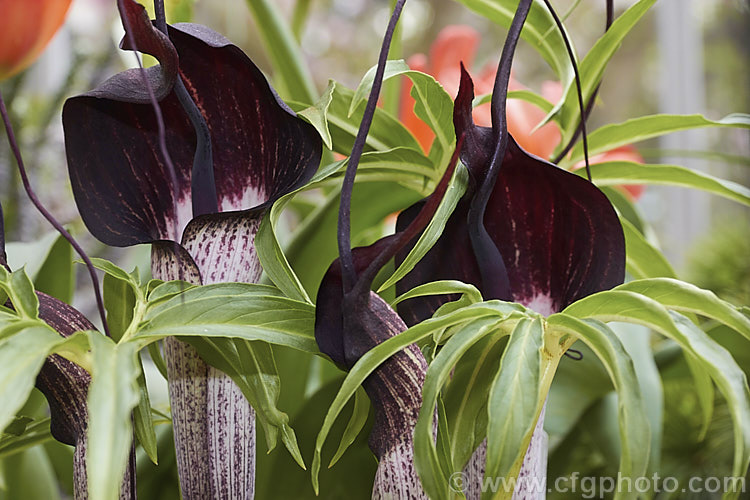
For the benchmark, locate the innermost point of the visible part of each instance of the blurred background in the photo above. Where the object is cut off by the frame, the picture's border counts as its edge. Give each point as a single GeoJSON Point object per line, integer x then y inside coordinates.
{"type": "Point", "coordinates": [686, 56]}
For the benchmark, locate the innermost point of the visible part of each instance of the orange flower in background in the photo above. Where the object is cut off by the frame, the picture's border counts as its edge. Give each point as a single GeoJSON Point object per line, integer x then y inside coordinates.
{"type": "Point", "coordinates": [26, 27]}
{"type": "Point", "coordinates": [456, 44]}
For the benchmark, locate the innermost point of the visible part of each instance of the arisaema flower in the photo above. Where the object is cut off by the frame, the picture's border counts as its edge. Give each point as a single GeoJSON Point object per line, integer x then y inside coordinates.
{"type": "Point", "coordinates": [256, 151]}
{"type": "Point", "coordinates": [350, 320]}
{"type": "Point", "coordinates": [26, 27]}
{"type": "Point", "coordinates": [350, 323]}
{"type": "Point", "coordinates": [525, 231]}
{"type": "Point", "coordinates": [554, 235]}
{"type": "Point", "coordinates": [458, 44]}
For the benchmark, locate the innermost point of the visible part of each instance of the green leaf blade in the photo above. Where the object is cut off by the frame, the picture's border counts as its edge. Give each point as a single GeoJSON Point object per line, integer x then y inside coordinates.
{"type": "Point", "coordinates": [113, 394]}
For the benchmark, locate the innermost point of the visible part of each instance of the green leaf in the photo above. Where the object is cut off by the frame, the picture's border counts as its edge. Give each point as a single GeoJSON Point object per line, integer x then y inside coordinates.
{"type": "Point", "coordinates": [647, 127]}
{"type": "Point", "coordinates": [21, 357]}
{"type": "Point", "coordinates": [636, 340]}
{"type": "Point", "coordinates": [592, 68]}
{"type": "Point", "coordinates": [732, 383]}
{"type": "Point", "coordinates": [252, 367]}
{"type": "Point", "coordinates": [516, 399]}
{"type": "Point", "coordinates": [643, 260]}
{"type": "Point", "coordinates": [56, 277]}
{"type": "Point", "coordinates": [237, 310]}
{"type": "Point", "coordinates": [155, 354]}
{"type": "Point", "coordinates": [272, 258]}
{"type": "Point", "coordinates": [445, 287]}
{"type": "Point", "coordinates": [385, 133]}
{"type": "Point", "coordinates": [618, 305]}
{"type": "Point", "coordinates": [618, 173]}
{"type": "Point", "coordinates": [30, 475]}
{"type": "Point", "coordinates": [374, 357]}
{"type": "Point", "coordinates": [434, 229]}
{"type": "Point", "coordinates": [432, 105]}
{"type": "Point", "coordinates": [687, 298]}
{"type": "Point", "coordinates": [159, 290]}
{"type": "Point", "coordinates": [317, 114]}
{"type": "Point", "coordinates": [116, 272]}
{"type": "Point", "coordinates": [179, 11]}
{"type": "Point", "coordinates": [18, 425]}
{"type": "Point", "coordinates": [426, 457]}
{"type": "Point", "coordinates": [362, 92]}
{"type": "Point", "coordinates": [400, 160]}
{"type": "Point", "coordinates": [354, 426]}
{"type": "Point", "coordinates": [576, 386]}
{"type": "Point", "coordinates": [625, 206]}
{"type": "Point", "coordinates": [405, 166]}
{"type": "Point", "coordinates": [20, 291]}
{"type": "Point", "coordinates": [119, 301]}
{"type": "Point", "coordinates": [633, 421]}
{"type": "Point", "coordinates": [292, 77]}
{"type": "Point", "coordinates": [466, 396]}
{"type": "Point", "coordinates": [540, 31]}
{"type": "Point", "coordinates": [31, 255]}
{"type": "Point", "coordinates": [312, 247]}
{"type": "Point", "coordinates": [704, 390]}
{"type": "Point", "coordinates": [524, 95]}
{"type": "Point", "coordinates": [143, 418]}
{"type": "Point", "coordinates": [113, 394]}
{"type": "Point", "coordinates": [34, 434]}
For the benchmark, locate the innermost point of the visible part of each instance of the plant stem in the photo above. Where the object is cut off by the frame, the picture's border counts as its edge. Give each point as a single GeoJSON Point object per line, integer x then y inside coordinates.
{"type": "Point", "coordinates": [348, 273]}
{"type": "Point", "coordinates": [491, 263]}
{"type": "Point", "coordinates": [590, 104]}
{"type": "Point", "coordinates": [581, 107]}
{"type": "Point", "coordinates": [50, 218]}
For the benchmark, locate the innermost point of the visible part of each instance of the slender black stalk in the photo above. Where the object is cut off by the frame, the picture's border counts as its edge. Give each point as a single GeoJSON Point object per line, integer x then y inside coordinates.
{"type": "Point", "coordinates": [161, 132]}
{"type": "Point", "coordinates": [160, 17]}
{"type": "Point", "coordinates": [3, 256]}
{"type": "Point", "coordinates": [491, 261]}
{"type": "Point", "coordinates": [424, 216]}
{"type": "Point", "coordinates": [202, 182]}
{"type": "Point", "coordinates": [47, 215]}
{"type": "Point", "coordinates": [592, 99]}
{"type": "Point", "coordinates": [581, 106]}
{"type": "Point", "coordinates": [349, 275]}
{"type": "Point", "coordinates": [162, 138]}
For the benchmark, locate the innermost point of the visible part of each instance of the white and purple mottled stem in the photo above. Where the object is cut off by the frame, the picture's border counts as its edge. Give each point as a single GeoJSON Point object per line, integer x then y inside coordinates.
{"type": "Point", "coordinates": [214, 425]}
{"type": "Point", "coordinates": [80, 478]}
{"type": "Point", "coordinates": [532, 478]}
{"type": "Point", "coordinates": [395, 390]}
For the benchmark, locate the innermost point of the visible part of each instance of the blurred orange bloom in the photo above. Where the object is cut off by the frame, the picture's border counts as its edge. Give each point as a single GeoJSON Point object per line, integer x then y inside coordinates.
{"type": "Point", "coordinates": [456, 44]}
{"type": "Point", "coordinates": [26, 26]}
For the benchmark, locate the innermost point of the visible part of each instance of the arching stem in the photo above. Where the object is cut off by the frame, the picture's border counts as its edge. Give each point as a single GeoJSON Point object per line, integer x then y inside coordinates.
{"type": "Point", "coordinates": [581, 107]}
{"type": "Point", "coordinates": [160, 130]}
{"type": "Point", "coordinates": [202, 182]}
{"type": "Point", "coordinates": [50, 218]}
{"type": "Point", "coordinates": [491, 261]}
{"type": "Point", "coordinates": [592, 99]}
{"type": "Point", "coordinates": [348, 273]}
